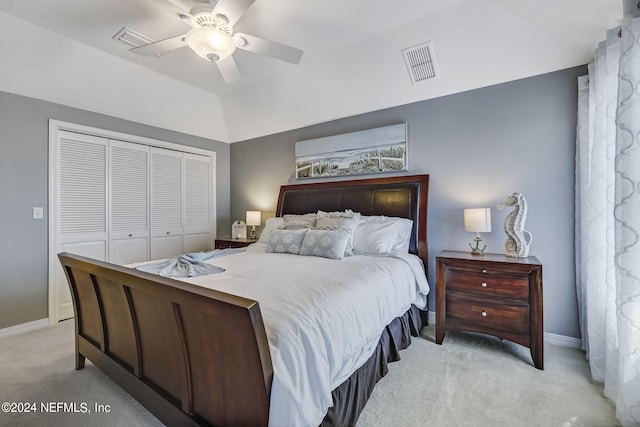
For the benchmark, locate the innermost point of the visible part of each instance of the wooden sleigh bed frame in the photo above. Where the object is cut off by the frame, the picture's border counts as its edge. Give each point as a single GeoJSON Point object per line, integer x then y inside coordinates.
{"type": "Point", "coordinates": [196, 356]}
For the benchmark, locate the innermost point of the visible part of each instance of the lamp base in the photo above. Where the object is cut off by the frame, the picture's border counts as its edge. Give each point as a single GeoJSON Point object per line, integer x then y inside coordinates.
{"type": "Point", "coordinates": [477, 250]}
{"type": "Point", "coordinates": [252, 232]}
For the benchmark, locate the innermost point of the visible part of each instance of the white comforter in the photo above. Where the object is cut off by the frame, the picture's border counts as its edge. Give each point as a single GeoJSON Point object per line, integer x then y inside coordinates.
{"type": "Point", "coordinates": [323, 317]}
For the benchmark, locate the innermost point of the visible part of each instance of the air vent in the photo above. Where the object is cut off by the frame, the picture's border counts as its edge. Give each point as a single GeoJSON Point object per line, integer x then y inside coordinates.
{"type": "Point", "coordinates": [131, 38]}
{"type": "Point", "coordinates": [420, 62]}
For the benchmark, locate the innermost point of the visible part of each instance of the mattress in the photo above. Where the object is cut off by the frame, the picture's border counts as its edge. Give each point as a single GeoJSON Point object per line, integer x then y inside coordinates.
{"type": "Point", "coordinates": [323, 317]}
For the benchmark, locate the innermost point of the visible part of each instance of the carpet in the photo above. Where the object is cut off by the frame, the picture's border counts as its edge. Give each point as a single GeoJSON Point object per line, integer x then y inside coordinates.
{"type": "Point", "coordinates": [469, 380]}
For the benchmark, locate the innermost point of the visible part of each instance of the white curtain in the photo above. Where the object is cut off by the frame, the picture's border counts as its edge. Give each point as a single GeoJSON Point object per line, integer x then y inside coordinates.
{"type": "Point", "coordinates": [608, 215]}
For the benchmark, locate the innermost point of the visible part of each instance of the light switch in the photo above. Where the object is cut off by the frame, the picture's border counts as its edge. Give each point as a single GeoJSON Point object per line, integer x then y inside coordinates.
{"type": "Point", "coordinates": [38, 212]}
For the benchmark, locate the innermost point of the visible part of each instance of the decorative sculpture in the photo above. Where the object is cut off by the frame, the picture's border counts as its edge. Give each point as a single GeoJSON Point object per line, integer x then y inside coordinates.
{"type": "Point", "coordinates": [518, 239]}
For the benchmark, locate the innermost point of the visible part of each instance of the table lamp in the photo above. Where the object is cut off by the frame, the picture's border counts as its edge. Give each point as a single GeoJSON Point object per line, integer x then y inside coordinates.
{"type": "Point", "coordinates": [477, 220]}
{"type": "Point", "coordinates": [253, 219]}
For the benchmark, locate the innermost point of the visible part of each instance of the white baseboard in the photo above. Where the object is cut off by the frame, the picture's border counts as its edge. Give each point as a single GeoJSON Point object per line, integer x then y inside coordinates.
{"type": "Point", "coordinates": [24, 327]}
{"type": "Point", "coordinates": [562, 340]}
{"type": "Point", "coordinates": [550, 338]}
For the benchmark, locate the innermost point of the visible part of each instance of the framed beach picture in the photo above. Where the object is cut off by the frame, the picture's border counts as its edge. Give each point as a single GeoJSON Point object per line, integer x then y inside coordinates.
{"type": "Point", "coordinates": [370, 151]}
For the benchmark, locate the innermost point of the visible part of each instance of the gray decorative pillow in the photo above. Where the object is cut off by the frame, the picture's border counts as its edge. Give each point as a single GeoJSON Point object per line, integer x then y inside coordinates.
{"type": "Point", "coordinates": [286, 241]}
{"type": "Point", "coordinates": [348, 223]}
{"type": "Point", "coordinates": [347, 213]}
{"type": "Point", "coordinates": [325, 243]}
{"type": "Point", "coordinates": [295, 222]}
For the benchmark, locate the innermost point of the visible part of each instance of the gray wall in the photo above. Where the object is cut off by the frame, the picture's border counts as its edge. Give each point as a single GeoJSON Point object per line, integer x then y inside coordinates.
{"type": "Point", "coordinates": [478, 147]}
{"type": "Point", "coordinates": [24, 184]}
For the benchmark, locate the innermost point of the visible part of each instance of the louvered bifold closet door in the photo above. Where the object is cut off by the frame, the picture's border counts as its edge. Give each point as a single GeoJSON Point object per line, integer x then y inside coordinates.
{"type": "Point", "coordinates": [81, 205]}
{"type": "Point", "coordinates": [198, 235]}
{"type": "Point", "coordinates": [166, 203]}
{"type": "Point", "coordinates": [129, 220]}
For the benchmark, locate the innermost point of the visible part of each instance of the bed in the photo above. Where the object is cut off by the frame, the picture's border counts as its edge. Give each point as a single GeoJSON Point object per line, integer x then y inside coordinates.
{"type": "Point", "coordinates": [195, 355]}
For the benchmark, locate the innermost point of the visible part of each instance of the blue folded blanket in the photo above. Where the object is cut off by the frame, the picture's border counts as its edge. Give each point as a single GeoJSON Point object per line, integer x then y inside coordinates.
{"type": "Point", "coordinates": [188, 265]}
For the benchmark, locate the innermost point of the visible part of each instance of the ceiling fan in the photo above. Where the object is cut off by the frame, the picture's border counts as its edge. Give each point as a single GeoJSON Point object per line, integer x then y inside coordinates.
{"type": "Point", "coordinates": [213, 39]}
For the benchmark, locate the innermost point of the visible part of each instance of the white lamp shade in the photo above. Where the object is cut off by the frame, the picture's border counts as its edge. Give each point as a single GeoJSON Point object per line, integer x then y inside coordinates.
{"type": "Point", "coordinates": [477, 220]}
{"type": "Point", "coordinates": [210, 41]}
{"type": "Point", "coordinates": [253, 217]}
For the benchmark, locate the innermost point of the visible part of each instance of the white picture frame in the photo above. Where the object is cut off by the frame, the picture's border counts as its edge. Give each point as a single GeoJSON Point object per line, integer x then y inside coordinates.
{"type": "Point", "coordinates": [238, 230]}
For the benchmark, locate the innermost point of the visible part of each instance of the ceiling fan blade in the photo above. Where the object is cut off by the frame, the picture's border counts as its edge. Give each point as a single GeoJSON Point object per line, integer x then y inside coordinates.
{"type": "Point", "coordinates": [265, 47]}
{"type": "Point", "coordinates": [161, 46]}
{"type": "Point", "coordinates": [185, 5]}
{"type": "Point", "coordinates": [229, 70]}
{"type": "Point", "coordinates": [233, 9]}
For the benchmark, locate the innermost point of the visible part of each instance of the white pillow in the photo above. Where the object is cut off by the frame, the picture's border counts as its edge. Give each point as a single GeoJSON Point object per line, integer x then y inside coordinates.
{"type": "Point", "coordinates": [381, 235]}
{"type": "Point", "coordinates": [347, 220]}
{"type": "Point", "coordinates": [269, 225]}
{"type": "Point", "coordinates": [402, 240]}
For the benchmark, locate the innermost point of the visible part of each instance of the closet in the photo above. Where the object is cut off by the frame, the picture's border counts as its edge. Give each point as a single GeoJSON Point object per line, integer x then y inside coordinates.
{"type": "Point", "coordinates": [126, 202]}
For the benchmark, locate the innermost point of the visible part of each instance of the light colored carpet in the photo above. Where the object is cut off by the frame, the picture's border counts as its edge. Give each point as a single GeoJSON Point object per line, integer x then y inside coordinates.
{"type": "Point", "coordinates": [477, 380]}
{"type": "Point", "coordinates": [470, 380]}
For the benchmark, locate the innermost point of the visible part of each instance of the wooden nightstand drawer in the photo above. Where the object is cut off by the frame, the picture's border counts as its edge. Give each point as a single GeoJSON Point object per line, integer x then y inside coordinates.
{"type": "Point", "coordinates": [488, 315]}
{"type": "Point", "coordinates": [511, 285]}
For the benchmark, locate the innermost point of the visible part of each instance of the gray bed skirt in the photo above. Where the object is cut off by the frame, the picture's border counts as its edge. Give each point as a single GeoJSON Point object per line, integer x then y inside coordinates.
{"type": "Point", "coordinates": [350, 397]}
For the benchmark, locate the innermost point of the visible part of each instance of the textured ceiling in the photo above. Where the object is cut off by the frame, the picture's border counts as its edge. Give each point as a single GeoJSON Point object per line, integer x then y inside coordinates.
{"type": "Point", "coordinates": [319, 28]}
{"type": "Point", "coordinates": [352, 60]}
{"type": "Point", "coordinates": [315, 27]}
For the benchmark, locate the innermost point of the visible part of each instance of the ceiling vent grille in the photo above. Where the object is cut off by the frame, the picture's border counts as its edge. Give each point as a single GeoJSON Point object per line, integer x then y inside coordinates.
{"type": "Point", "coordinates": [420, 62]}
{"type": "Point", "coordinates": [131, 38]}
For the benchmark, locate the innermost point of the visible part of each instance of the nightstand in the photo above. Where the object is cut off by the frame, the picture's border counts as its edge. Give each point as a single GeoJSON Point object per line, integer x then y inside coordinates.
{"type": "Point", "coordinates": [233, 243]}
{"type": "Point", "coordinates": [491, 294]}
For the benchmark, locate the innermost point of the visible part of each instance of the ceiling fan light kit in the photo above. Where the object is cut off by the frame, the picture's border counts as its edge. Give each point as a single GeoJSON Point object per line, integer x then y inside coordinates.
{"type": "Point", "coordinates": [211, 44]}
{"type": "Point", "coordinates": [210, 36]}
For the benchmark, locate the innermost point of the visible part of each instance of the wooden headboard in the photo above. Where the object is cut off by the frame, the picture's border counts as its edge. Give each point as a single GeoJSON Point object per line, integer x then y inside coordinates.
{"type": "Point", "coordinates": [399, 196]}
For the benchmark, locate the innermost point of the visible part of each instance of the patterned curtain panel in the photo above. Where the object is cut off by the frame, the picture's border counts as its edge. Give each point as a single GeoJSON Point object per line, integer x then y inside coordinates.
{"type": "Point", "coordinates": [608, 215]}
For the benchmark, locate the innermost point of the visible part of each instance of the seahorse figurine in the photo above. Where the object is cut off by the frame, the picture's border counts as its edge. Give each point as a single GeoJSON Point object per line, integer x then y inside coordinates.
{"type": "Point", "coordinates": [518, 239]}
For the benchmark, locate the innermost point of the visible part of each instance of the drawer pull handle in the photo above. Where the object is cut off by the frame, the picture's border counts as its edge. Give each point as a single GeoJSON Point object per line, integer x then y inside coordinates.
{"type": "Point", "coordinates": [484, 314]}
{"type": "Point", "coordinates": [484, 284]}
{"type": "Point", "coordinates": [168, 232]}
{"type": "Point", "coordinates": [130, 235]}
{"type": "Point", "coordinates": [484, 271]}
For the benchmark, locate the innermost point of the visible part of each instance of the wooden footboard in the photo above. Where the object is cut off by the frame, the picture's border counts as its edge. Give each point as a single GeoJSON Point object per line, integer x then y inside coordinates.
{"type": "Point", "coordinates": [190, 355]}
